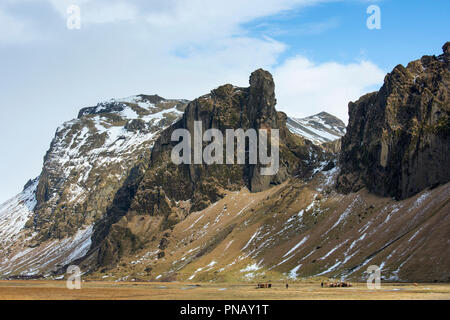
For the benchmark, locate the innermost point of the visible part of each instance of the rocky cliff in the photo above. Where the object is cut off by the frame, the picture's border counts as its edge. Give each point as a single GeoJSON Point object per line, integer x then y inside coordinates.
{"type": "Point", "coordinates": [167, 193]}
{"type": "Point", "coordinates": [398, 139]}
{"type": "Point", "coordinates": [90, 157]}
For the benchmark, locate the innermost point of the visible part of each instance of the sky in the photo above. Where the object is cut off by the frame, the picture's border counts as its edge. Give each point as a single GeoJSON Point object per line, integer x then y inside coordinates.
{"type": "Point", "coordinates": [321, 53]}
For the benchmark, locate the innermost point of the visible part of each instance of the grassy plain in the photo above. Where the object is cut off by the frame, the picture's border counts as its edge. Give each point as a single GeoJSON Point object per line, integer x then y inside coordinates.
{"type": "Point", "coordinates": [93, 290]}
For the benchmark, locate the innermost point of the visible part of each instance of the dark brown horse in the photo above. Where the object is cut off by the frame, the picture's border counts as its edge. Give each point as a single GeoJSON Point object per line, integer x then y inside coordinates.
{"type": "Point", "coordinates": [337, 284]}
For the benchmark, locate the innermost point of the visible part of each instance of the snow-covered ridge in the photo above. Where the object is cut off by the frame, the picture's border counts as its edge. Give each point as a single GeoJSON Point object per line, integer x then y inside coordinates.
{"type": "Point", "coordinates": [320, 128]}
{"type": "Point", "coordinates": [112, 132]}
{"type": "Point", "coordinates": [141, 102]}
{"type": "Point", "coordinates": [48, 257]}
{"type": "Point", "coordinates": [14, 214]}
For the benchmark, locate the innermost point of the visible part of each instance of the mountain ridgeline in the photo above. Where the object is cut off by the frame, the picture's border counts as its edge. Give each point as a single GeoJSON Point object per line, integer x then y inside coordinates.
{"type": "Point", "coordinates": [110, 200]}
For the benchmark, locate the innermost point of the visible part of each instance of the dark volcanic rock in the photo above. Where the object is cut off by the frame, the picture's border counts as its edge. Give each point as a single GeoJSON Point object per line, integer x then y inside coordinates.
{"type": "Point", "coordinates": [226, 107]}
{"type": "Point", "coordinates": [165, 185]}
{"type": "Point", "coordinates": [136, 125]}
{"type": "Point", "coordinates": [397, 140]}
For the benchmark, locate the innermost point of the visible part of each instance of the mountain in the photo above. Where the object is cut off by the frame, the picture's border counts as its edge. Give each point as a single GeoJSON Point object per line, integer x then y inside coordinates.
{"type": "Point", "coordinates": [320, 128]}
{"type": "Point", "coordinates": [398, 139]}
{"type": "Point", "coordinates": [95, 162]}
{"type": "Point", "coordinates": [110, 199]}
{"type": "Point", "coordinates": [154, 198]}
{"type": "Point", "coordinates": [89, 159]}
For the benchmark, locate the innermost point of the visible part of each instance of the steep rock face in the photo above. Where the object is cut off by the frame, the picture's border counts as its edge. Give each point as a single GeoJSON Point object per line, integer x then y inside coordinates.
{"type": "Point", "coordinates": [398, 139]}
{"type": "Point", "coordinates": [229, 107]}
{"type": "Point", "coordinates": [90, 158]}
{"type": "Point", "coordinates": [167, 192]}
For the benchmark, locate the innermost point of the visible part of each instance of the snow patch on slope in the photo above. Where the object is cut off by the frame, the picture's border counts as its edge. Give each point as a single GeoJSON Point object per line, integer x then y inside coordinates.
{"type": "Point", "coordinates": [319, 128]}
{"type": "Point", "coordinates": [15, 212]}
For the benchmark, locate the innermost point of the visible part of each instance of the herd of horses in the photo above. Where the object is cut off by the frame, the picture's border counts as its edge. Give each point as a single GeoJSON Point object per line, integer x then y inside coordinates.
{"type": "Point", "coordinates": [323, 284]}
{"type": "Point", "coordinates": [336, 284]}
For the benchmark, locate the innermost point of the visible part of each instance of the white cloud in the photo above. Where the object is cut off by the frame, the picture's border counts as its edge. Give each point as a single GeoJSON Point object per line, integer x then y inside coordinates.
{"type": "Point", "coordinates": [13, 30]}
{"type": "Point", "coordinates": [223, 16]}
{"type": "Point", "coordinates": [112, 12]}
{"type": "Point", "coordinates": [228, 60]}
{"type": "Point", "coordinates": [200, 20]}
{"type": "Point", "coordinates": [99, 11]}
{"type": "Point", "coordinates": [305, 88]}
{"type": "Point", "coordinates": [174, 48]}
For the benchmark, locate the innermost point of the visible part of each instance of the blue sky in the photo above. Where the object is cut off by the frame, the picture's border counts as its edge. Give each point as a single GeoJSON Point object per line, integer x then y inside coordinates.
{"type": "Point", "coordinates": [336, 31]}
{"type": "Point", "coordinates": [321, 53]}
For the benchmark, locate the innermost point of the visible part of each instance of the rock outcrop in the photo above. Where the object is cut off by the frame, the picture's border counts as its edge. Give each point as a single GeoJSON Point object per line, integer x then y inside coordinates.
{"type": "Point", "coordinates": [398, 139]}
{"type": "Point", "coordinates": [168, 192]}
{"type": "Point", "coordinates": [90, 158]}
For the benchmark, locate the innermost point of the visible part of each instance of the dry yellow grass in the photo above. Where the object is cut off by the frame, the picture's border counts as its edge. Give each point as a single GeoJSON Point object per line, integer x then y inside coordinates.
{"type": "Point", "coordinates": [56, 290]}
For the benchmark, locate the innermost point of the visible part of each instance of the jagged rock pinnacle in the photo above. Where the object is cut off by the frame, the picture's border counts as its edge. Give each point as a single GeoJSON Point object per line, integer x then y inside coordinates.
{"type": "Point", "coordinates": [446, 48]}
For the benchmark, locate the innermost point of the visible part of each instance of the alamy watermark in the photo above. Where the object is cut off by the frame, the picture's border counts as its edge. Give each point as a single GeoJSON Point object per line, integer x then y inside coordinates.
{"type": "Point", "coordinates": [213, 153]}
{"type": "Point", "coordinates": [374, 20]}
{"type": "Point", "coordinates": [74, 280]}
{"type": "Point", "coordinates": [374, 280]}
{"type": "Point", "coordinates": [74, 17]}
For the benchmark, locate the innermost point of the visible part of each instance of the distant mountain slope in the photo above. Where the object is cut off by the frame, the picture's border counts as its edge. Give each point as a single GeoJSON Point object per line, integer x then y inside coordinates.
{"type": "Point", "coordinates": [320, 128]}
{"type": "Point", "coordinates": [15, 213]}
{"type": "Point", "coordinates": [299, 230]}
